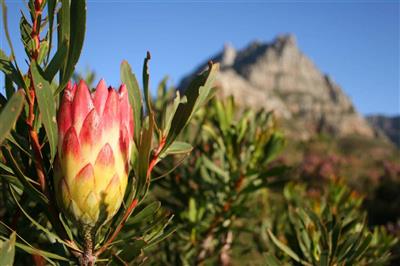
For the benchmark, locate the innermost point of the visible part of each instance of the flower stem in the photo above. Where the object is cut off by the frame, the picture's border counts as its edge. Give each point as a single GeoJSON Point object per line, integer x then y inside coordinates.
{"type": "Point", "coordinates": [87, 258]}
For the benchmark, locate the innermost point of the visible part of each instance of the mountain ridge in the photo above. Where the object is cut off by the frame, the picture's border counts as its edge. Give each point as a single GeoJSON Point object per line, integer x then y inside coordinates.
{"type": "Point", "coordinates": [278, 76]}
{"type": "Point", "coordinates": [387, 125]}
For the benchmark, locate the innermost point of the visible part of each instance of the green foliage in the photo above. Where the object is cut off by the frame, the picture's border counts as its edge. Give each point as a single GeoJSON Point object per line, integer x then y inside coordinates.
{"type": "Point", "coordinates": [10, 112]}
{"type": "Point", "coordinates": [7, 251]}
{"type": "Point", "coordinates": [47, 107]}
{"type": "Point", "coordinates": [222, 203]}
{"type": "Point", "coordinates": [328, 228]}
{"type": "Point", "coordinates": [210, 191]}
{"type": "Point", "coordinates": [29, 139]}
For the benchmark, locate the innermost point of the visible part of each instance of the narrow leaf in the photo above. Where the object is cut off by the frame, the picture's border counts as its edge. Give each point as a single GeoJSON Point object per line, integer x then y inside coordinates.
{"type": "Point", "coordinates": [146, 89]}
{"type": "Point", "coordinates": [135, 97]}
{"type": "Point", "coordinates": [7, 251]}
{"type": "Point", "coordinates": [45, 254]}
{"type": "Point", "coordinates": [63, 32]}
{"type": "Point", "coordinates": [77, 22]}
{"type": "Point", "coordinates": [34, 222]}
{"type": "Point", "coordinates": [10, 113]}
{"type": "Point", "coordinates": [56, 62]}
{"type": "Point", "coordinates": [47, 108]}
{"type": "Point", "coordinates": [196, 94]}
{"type": "Point", "coordinates": [271, 260]}
{"type": "Point", "coordinates": [143, 214]}
{"type": "Point", "coordinates": [10, 71]}
{"type": "Point", "coordinates": [144, 151]}
{"type": "Point", "coordinates": [10, 90]}
{"type": "Point", "coordinates": [5, 23]}
{"type": "Point", "coordinates": [51, 7]}
{"type": "Point", "coordinates": [30, 189]}
{"type": "Point", "coordinates": [66, 227]}
{"type": "Point", "coordinates": [177, 147]}
{"type": "Point", "coordinates": [286, 249]}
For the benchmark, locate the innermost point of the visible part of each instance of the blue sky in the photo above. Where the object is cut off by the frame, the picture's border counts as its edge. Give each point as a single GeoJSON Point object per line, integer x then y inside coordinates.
{"type": "Point", "coordinates": [357, 43]}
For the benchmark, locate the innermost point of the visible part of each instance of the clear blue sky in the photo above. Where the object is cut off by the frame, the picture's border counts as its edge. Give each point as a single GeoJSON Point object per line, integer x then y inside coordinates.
{"type": "Point", "coordinates": [357, 43]}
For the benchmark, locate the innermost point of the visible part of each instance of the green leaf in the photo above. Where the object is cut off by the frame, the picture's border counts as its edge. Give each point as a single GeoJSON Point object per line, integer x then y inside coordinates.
{"type": "Point", "coordinates": [286, 249]}
{"type": "Point", "coordinates": [361, 248]}
{"type": "Point", "coordinates": [10, 113]}
{"type": "Point", "coordinates": [274, 146]}
{"type": "Point", "coordinates": [192, 212]}
{"type": "Point", "coordinates": [146, 90]}
{"type": "Point", "coordinates": [165, 234]}
{"type": "Point", "coordinates": [5, 23]}
{"type": "Point", "coordinates": [10, 90]}
{"type": "Point", "coordinates": [156, 230]}
{"type": "Point", "coordinates": [56, 62]}
{"type": "Point", "coordinates": [135, 97]}
{"type": "Point", "coordinates": [7, 251]}
{"type": "Point", "coordinates": [336, 232]}
{"type": "Point", "coordinates": [66, 227]}
{"type": "Point", "coordinates": [144, 150]}
{"type": "Point", "coordinates": [29, 248]}
{"type": "Point", "coordinates": [12, 180]}
{"type": "Point", "coordinates": [271, 260]}
{"type": "Point", "coordinates": [170, 112]}
{"type": "Point", "coordinates": [20, 142]}
{"type": "Point", "coordinates": [196, 94]}
{"type": "Point", "coordinates": [10, 71]}
{"type": "Point", "coordinates": [45, 254]}
{"type": "Point", "coordinates": [214, 168]}
{"type": "Point", "coordinates": [51, 7]}
{"type": "Point", "coordinates": [26, 29]}
{"type": "Point", "coordinates": [177, 147]}
{"type": "Point", "coordinates": [44, 48]}
{"type": "Point", "coordinates": [323, 261]}
{"type": "Point", "coordinates": [322, 229]}
{"type": "Point", "coordinates": [344, 248]}
{"type": "Point", "coordinates": [47, 108]}
{"type": "Point", "coordinates": [132, 250]}
{"type": "Point", "coordinates": [34, 222]}
{"type": "Point", "coordinates": [63, 32]}
{"type": "Point", "coordinates": [30, 189]}
{"type": "Point", "coordinates": [142, 215]}
{"type": "Point", "coordinates": [77, 20]}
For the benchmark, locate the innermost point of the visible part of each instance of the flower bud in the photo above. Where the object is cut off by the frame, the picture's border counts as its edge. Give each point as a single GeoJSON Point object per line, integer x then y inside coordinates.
{"type": "Point", "coordinates": [95, 134]}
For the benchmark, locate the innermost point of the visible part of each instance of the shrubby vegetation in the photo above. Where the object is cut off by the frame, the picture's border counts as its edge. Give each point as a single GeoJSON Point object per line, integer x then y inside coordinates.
{"type": "Point", "coordinates": [210, 183]}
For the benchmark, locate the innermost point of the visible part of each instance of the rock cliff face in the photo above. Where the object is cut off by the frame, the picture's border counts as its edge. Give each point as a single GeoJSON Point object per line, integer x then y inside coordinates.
{"type": "Point", "coordinates": [278, 76]}
{"type": "Point", "coordinates": [390, 126]}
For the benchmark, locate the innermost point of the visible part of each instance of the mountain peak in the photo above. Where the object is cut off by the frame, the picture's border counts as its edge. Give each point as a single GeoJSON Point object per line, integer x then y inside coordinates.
{"type": "Point", "coordinates": [285, 40]}
{"type": "Point", "coordinates": [228, 55]}
{"type": "Point", "coordinates": [278, 76]}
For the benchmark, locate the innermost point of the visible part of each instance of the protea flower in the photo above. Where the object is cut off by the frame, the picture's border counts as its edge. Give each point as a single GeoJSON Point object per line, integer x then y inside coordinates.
{"type": "Point", "coordinates": [95, 134]}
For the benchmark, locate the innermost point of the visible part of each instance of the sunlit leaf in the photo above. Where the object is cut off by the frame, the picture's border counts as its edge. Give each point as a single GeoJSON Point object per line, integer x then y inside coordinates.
{"type": "Point", "coordinates": [45, 99]}
{"type": "Point", "coordinates": [177, 147]}
{"type": "Point", "coordinates": [9, 70]}
{"type": "Point", "coordinates": [7, 251]}
{"type": "Point", "coordinates": [10, 113]}
{"type": "Point", "coordinates": [56, 62]}
{"type": "Point", "coordinates": [51, 6]}
{"type": "Point", "coordinates": [135, 97]}
{"type": "Point", "coordinates": [76, 21]}
{"type": "Point", "coordinates": [196, 94]}
{"type": "Point", "coordinates": [146, 89]}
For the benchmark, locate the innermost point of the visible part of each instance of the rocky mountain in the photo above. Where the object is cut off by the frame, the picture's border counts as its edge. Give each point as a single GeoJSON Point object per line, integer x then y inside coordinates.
{"type": "Point", "coordinates": [390, 126]}
{"type": "Point", "coordinates": [278, 76]}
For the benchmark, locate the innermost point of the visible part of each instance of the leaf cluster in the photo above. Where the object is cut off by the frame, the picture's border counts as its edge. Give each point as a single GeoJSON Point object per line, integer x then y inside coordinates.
{"type": "Point", "coordinates": [328, 229]}
{"type": "Point", "coordinates": [209, 192]}
{"type": "Point", "coordinates": [29, 138]}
